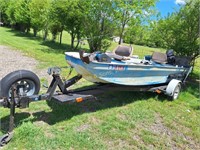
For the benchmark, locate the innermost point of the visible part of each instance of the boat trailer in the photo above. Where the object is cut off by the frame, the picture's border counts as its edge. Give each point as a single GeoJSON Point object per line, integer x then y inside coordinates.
{"type": "Point", "coordinates": [16, 100]}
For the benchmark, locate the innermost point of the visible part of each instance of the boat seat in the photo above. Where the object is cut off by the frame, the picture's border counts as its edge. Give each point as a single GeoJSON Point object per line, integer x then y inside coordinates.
{"type": "Point", "coordinates": [159, 57]}
{"type": "Point", "coordinates": [85, 59]}
{"type": "Point", "coordinates": [123, 50]}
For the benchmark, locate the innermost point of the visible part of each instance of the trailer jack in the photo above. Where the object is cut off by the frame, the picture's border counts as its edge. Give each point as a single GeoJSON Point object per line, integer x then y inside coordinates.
{"type": "Point", "coordinates": [7, 137]}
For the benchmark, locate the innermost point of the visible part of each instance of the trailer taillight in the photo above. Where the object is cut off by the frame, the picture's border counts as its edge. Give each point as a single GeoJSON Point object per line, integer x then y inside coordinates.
{"type": "Point", "coordinates": [158, 91]}
{"type": "Point", "coordinates": [79, 99]}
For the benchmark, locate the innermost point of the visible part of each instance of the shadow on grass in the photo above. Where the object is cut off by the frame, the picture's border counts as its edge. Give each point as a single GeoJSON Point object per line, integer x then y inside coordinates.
{"type": "Point", "coordinates": [193, 87]}
{"type": "Point", "coordinates": [53, 47]}
{"type": "Point", "coordinates": [107, 100]}
{"type": "Point", "coordinates": [62, 112]}
{"type": "Point", "coordinates": [19, 118]}
{"type": "Point", "coordinates": [24, 35]}
{"type": "Point", "coordinates": [57, 48]}
{"type": "Point", "coordinates": [194, 76]}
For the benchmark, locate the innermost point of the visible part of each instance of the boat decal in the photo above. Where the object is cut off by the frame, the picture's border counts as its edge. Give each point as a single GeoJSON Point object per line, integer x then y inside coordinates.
{"type": "Point", "coordinates": [117, 67]}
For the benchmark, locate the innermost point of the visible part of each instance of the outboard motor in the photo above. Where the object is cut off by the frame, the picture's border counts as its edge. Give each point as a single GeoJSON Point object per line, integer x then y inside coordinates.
{"type": "Point", "coordinates": [170, 57]}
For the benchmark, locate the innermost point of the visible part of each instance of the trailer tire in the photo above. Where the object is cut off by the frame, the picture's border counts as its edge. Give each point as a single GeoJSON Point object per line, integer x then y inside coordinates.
{"type": "Point", "coordinates": [173, 89]}
{"type": "Point", "coordinates": [176, 92]}
{"type": "Point", "coordinates": [29, 82]}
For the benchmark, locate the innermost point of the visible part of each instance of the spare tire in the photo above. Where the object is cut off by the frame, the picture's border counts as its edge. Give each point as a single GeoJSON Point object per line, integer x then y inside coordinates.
{"type": "Point", "coordinates": [25, 81]}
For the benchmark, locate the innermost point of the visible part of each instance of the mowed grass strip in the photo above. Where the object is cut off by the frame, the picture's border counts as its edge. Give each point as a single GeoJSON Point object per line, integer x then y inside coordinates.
{"type": "Point", "coordinates": [120, 120]}
{"type": "Point", "coordinates": [47, 53]}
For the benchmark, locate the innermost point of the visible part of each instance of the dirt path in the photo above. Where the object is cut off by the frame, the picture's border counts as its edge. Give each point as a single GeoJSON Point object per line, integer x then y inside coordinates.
{"type": "Point", "coordinates": [11, 60]}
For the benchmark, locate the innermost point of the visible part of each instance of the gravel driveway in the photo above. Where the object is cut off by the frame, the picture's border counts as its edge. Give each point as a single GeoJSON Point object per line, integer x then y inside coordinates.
{"type": "Point", "coordinates": [11, 60]}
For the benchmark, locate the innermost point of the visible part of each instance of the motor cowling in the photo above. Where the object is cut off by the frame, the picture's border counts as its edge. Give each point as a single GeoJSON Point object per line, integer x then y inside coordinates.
{"type": "Point", "coordinates": [170, 57]}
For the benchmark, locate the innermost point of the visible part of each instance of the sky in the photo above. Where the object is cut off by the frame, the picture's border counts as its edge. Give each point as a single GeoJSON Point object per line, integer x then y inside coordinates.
{"type": "Point", "coordinates": [169, 6]}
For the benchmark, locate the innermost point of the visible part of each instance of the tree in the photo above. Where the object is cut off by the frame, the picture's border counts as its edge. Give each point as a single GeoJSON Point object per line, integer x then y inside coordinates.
{"type": "Point", "coordinates": [18, 14]}
{"type": "Point", "coordinates": [74, 22]}
{"type": "Point", "coordinates": [161, 33]}
{"type": "Point", "coordinates": [39, 14]}
{"type": "Point", "coordinates": [98, 23]}
{"type": "Point", "coordinates": [3, 17]}
{"type": "Point", "coordinates": [180, 30]}
{"type": "Point", "coordinates": [128, 10]}
{"type": "Point", "coordinates": [58, 15]}
{"type": "Point", "coordinates": [22, 14]}
{"type": "Point", "coordinates": [69, 17]}
{"type": "Point", "coordinates": [10, 11]}
{"type": "Point", "coordinates": [186, 33]}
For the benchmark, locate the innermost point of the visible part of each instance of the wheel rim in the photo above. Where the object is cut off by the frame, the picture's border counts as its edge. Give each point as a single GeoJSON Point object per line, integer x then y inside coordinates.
{"type": "Point", "coordinates": [24, 86]}
{"type": "Point", "coordinates": [176, 92]}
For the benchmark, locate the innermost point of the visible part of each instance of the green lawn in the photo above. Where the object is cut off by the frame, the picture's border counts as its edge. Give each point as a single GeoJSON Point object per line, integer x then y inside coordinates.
{"type": "Point", "coordinates": [50, 54]}
{"type": "Point", "coordinates": [121, 120]}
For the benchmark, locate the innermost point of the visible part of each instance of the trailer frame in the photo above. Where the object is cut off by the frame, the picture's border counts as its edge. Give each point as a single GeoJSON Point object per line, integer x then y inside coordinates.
{"type": "Point", "coordinates": [65, 95]}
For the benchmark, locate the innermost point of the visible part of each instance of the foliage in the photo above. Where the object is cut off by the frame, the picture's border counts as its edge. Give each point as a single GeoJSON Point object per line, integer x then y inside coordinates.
{"type": "Point", "coordinates": [3, 6]}
{"type": "Point", "coordinates": [22, 14]}
{"type": "Point", "coordinates": [180, 30]}
{"type": "Point", "coordinates": [129, 13]}
{"type": "Point", "coordinates": [10, 11]}
{"type": "Point", "coordinates": [59, 11]}
{"type": "Point", "coordinates": [137, 34]}
{"type": "Point", "coordinates": [18, 14]}
{"type": "Point", "coordinates": [39, 12]}
{"type": "Point", "coordinates": [98, 22]}
{"type": "Point", "coordinates": [67, 15]}
{"type": "Point", "coordinates": [74, 22]}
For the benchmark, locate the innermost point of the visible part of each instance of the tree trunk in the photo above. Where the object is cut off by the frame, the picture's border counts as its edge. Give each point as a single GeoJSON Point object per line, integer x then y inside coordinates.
{"type": "Point", "coordinates": [121, 34]}
{"type": "Point", "coordinates": [72, 39]}
{"type": "Point", "coordinates": [91, 46]}
{"type": "Point", "coordinates": [34, 32]}
{"type": "Point", "coordinates": [54, 37]}
{"type": "Point", "coordinates": [61, 36]}
{"type": "Point", "coordinates": [77, 45]}
{"type": "Point", "coordinates": [45, 35]}
{"type": "Point", "coordinates": [72, 42]}
{"type": "Point", "coordinates": [27, 29]}
{"type": "Point", "coordinates": [22, 28]}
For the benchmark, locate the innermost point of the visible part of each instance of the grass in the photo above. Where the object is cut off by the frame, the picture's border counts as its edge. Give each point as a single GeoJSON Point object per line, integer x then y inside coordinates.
{"type": "Point", "coordinates": [46, 52]}
{"type": "Point", "coordinates": [121, 120]}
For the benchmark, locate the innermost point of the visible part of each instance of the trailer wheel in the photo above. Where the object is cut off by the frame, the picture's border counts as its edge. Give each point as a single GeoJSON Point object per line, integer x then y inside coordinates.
{"type": "Point", "coordinates": [173, 89]}
{"type": "Point", "coordinates": [26, 82]}
{"type": "Point", "coordinates": [176, 92]}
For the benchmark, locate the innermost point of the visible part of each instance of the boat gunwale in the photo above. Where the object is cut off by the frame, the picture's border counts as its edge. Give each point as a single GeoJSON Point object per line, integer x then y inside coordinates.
{"type": "Point", "coordinates": [168, 66]}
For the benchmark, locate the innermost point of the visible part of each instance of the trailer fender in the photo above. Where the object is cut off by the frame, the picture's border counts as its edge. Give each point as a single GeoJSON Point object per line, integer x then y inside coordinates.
{"type": "Point", "coordinates": [173, 89]}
